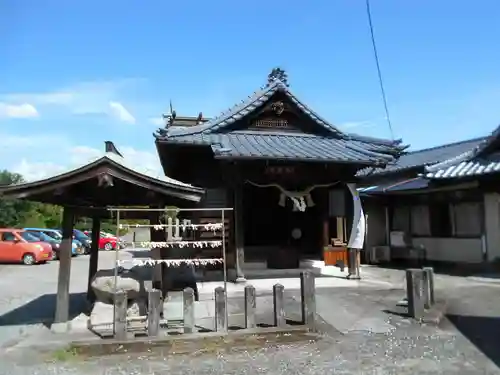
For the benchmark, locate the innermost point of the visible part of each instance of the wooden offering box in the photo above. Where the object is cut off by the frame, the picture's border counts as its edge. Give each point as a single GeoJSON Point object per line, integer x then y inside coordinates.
{"type": "Point", "coordinates": [335, 255]}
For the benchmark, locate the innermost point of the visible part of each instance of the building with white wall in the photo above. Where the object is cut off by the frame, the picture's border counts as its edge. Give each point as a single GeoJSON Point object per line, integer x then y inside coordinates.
{"type": "Point", "coordinates": [444, 202]}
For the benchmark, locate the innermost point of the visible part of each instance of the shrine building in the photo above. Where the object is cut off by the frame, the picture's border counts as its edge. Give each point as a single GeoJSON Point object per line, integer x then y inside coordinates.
{"type": "Point", "coordinates": [284, 169]}
{"type": "Point", "coordinates": [287, 175]}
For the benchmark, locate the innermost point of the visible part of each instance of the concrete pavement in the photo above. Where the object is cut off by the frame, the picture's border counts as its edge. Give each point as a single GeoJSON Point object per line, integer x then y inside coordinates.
{"type": "Point", "coordinates": [364, 335]}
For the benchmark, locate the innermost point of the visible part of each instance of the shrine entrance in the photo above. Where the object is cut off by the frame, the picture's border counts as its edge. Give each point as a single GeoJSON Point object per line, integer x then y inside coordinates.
{"type": "Point", "coordinates": [273, 223]}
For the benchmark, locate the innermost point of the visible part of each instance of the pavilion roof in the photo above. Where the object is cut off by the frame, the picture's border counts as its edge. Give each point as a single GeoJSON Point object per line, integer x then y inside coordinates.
{"type": "Point", "coordinates": [98, 174]}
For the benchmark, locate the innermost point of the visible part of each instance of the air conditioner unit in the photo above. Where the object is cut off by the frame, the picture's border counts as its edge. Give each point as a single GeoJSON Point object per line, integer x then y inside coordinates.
{"type": "Point", "coordinates": [380, 254]}
{"type": "Point", "coordinates": [400, 239]}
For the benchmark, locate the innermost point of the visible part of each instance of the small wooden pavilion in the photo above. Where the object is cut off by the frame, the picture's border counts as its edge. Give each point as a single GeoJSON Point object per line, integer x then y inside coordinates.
{"type": "Point", "coordinates": [107, 181]}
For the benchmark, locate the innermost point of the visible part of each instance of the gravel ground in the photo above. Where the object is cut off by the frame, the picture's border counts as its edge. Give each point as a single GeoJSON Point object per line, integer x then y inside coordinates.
{"type": "Point", "coordinates": [467, 343]}
{"type": "Point", "coordinates": [402, 352]}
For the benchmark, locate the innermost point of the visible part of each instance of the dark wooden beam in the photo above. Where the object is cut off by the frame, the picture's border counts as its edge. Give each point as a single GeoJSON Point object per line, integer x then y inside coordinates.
{"type": "Point", "coordinates": [239, 231]}
{"type": "Point", "coordinates": [156, 253]}
{"type": "Point", "coordinates": [63, 281]}
{"type": "Point", "coordinates": [94, 256]}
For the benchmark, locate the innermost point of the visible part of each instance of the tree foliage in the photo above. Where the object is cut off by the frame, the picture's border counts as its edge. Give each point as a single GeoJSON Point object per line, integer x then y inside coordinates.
{"type": "Point", "coordinates": [20, 213]}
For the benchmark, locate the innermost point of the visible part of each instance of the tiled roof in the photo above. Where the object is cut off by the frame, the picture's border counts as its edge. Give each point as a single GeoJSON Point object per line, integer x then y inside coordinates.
{"type": "Point", "coordinates": [332, 145]}
{"type": "Point", "coordinates": [475, 167]}
{"type": "Point", "coordinates": [479, 160]}
{"type": "Point", "coordinates": [281, 145]}
{"type": "Point", "coordinates": [430, 156]}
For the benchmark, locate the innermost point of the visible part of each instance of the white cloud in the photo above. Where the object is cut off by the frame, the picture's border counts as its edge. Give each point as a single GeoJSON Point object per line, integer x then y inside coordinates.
{"type": "Point", "coordinates": [118, 111]}
{"type": "Point", "coordinates": [23, 110]}
{"type": "Point", "coordinates": [32, 171]}
{"type": "Point", "coordinates": [81, 99]}
{"type": "Point", "coordinates": [31, 157]}
{"type": "Point", "coordinates": [159, 121]}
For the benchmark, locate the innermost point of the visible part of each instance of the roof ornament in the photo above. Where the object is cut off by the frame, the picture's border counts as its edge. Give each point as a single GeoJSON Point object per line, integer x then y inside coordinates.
{"type": "Point", "coordinates": [277, 74]}
{"type": "Point", "coordinates": [278, 107]}
{"type": "Point", "coordinates": [199, 119]}
{"type": "Point", "coordinates": [109, 147]}
{"type": "Point", "coordinates": [171, 116]}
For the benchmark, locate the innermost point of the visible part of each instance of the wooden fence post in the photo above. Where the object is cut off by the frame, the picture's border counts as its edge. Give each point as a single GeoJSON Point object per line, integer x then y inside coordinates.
{"type": "Point", "coordinates": [428, 281]}
{"type": "Point", "coordinates": [120, 316]}
{"type": "Point", "coordinates": [220, 310]}
{"type": "Point", "coordinates": [188, 310]}
{"type": "Point", "coordinates": [308, 298]}
{"type": "Point", "coordinates": [154, 311]}
{"type": "Point", "coordinates": [250, 306]}
{"type": "Point", "coordinates": [279, 305]}
{"type": "Point", "coordinates": [414, 284]}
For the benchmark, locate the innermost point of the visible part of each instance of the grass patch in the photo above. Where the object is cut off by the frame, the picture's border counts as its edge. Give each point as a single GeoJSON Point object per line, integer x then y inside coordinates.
{"type": "Point", "coordinates": [64, 354]}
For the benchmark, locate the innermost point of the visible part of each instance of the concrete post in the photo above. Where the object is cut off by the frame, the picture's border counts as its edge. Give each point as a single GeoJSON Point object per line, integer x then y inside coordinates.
{"type": "Point", "coordinates": [308, 298]}
{"type": "Point", "coordinates": [279, 305]}
{"type": "Point", "coordinates": [188, 310]}
{"type": "Point", "coordinates": [428, 281]}
{"type": "Point", "coordinates": [154, 311]}
{"type": "Point", "coordinates": [250, 306]}
{"type": "Point", "coordinates": [414, 283]}
{"type": "Point", "coordinates": [220, 310]}
{"type": "Point", "coordinates": [120, 318]}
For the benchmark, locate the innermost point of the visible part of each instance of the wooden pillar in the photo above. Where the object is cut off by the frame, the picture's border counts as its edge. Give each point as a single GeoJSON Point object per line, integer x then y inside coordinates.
{"type": "Point", "coordinates": [63, 280]}
{"type": "Point", "coordinates": [156, 236]}
{"type": "Point", "coordinates": [239, 232]}
{"type": "Point", "coordinates": [354, 258]}
{"type": "Point", "coordinates": [94, 256]}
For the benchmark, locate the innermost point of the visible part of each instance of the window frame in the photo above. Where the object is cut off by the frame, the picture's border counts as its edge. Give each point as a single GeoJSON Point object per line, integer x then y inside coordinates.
{"type": "Point", "coordinates": [447, 201]}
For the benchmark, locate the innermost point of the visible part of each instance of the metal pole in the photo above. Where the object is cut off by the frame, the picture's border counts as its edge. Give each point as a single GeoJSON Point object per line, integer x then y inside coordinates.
{"type": "Point", "coordinates": [225, 268]}
{"type": "Point", "coordinates": [116, 249]}
{"type": "Point", "coordinates": [116, 272]}
{"type": "Point", "coordinates": [116, 209]}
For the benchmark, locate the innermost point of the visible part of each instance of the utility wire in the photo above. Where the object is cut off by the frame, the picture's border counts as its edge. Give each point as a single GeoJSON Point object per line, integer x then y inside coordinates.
{"type": "Point", "coordinates": [380, 80]}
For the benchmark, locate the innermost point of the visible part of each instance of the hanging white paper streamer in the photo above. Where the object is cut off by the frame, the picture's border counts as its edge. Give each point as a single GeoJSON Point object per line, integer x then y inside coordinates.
{"type": "Point", "coordinates": [184, 226]}
{"type": "Point", "coordinates": [301, 199]}
{"type": "Point", "coordinates": [170, 262]}
{"type": "Point", "coordinates": [357, 239]}
{"type": "Point", "coordinates": [181, 244]}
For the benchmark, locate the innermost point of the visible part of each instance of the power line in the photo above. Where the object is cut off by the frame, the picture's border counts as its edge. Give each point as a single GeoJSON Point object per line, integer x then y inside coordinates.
{"type": "Point", "coordinates": [380, 80]}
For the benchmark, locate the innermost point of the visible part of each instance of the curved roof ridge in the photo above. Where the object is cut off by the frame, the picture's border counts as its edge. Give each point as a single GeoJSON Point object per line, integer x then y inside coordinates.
{"type": "Point", "coordinates": [114, 158]}
{"type": "Point", "coordinates": [256, 99]}
{"type": "Point", "coordinates": [477, 139]}
{"type": "Point", "coordinates": [378, 141]}
{"type": "Point", "coordinates": [494, 135]}
{"type": "Point", "coordinates": [464, 157]}
{"type": "Point", "coordinates": [217, 121]}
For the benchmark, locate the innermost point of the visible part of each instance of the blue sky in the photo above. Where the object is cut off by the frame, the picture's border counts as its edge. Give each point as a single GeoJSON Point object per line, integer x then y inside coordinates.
{"type": "Point", "coordinates": [76, 73]}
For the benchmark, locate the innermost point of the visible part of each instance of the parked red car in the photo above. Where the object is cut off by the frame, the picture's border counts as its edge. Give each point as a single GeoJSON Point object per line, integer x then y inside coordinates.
{"type": "Point", "coordinates": [105, 242]}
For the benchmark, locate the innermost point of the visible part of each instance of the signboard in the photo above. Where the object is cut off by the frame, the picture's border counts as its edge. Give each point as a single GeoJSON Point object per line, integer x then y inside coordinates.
{"type": "Point", "coordinates": [271, 123]}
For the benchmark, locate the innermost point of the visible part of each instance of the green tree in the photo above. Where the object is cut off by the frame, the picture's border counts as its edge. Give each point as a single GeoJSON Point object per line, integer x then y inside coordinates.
{"type": "Point", "coordinates": [13, 211]}
{"type": "Point", "coordinates": [22, 213]}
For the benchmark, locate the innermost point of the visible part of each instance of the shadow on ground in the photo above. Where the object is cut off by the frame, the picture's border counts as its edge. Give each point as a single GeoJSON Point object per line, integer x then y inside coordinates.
{"type": "Point", "coordinates": [42, 309]}
{"type": "Point", "coordinates": [464, 270]}
{"type": "Point", "coordinates": [483, 332]}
